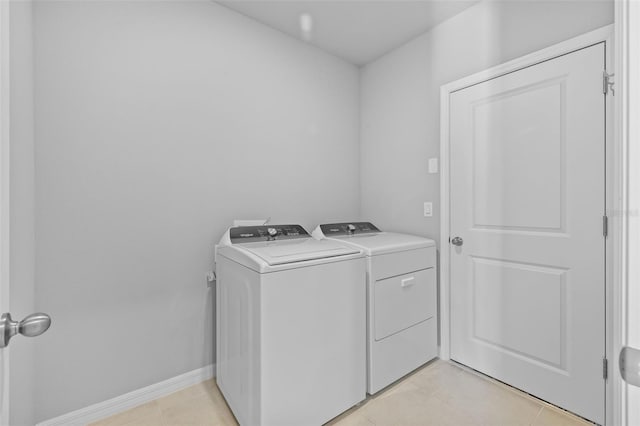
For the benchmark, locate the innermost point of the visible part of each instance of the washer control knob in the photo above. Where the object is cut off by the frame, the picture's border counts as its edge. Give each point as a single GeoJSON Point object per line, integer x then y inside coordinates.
{"type": "Point", "coordinates": [272, 232]}
{"type": "Point", "coordinates": [351, 228]}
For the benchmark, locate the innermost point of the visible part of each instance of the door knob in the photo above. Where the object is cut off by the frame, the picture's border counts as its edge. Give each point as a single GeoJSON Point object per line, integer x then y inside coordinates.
{"type": "Point", "coordinates": [457, 241]}
{"type": "Point", "coordinates": [32, 326]}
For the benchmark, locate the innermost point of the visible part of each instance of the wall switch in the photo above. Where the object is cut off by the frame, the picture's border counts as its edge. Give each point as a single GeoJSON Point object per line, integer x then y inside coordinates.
{"type": "Point", "coordinates": [433, 165]}
{"type": "Point", "coordinates": [428, 209]}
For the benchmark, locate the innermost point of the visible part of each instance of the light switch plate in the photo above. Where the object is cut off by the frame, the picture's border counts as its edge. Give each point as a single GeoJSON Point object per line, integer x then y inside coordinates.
{"type": "Point", "coordinates": [433, 165]}
{"type": "Point", "coordinates": [428, 209]}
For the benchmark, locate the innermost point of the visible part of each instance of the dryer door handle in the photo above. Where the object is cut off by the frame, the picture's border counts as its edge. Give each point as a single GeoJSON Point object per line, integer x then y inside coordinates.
{"type": "Point", "coordinates": [407, 282]}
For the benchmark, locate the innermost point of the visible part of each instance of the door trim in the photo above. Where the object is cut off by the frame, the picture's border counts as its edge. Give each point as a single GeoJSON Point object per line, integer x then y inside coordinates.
{"type": "Point", "coordinates": [4, 191]}
{"type": "Point", "coordinates": [627, 65]}
{"type": "Point", "coordinates": [614, 189]}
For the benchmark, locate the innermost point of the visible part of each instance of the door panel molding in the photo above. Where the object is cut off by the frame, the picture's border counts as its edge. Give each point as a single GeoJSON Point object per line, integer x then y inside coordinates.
{"type": "Point", "coordinates": [509, 313]}
{"type": "Point", "coordinates": [613, 188]}
{"type": "Point", "coordinates": [502, 172]}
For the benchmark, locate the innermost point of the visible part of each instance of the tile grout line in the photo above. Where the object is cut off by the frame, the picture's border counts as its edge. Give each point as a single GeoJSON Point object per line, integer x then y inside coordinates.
{"type": "Point", "coordinates": [537, 415]}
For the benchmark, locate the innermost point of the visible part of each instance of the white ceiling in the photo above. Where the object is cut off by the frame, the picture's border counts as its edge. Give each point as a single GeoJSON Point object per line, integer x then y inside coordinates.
{"type": "Point", "coordinates": [358, 31]}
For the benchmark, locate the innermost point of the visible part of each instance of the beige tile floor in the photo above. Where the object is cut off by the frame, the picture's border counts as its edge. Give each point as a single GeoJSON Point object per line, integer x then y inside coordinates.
{"type": "Point", "coordinates": [441, 393]}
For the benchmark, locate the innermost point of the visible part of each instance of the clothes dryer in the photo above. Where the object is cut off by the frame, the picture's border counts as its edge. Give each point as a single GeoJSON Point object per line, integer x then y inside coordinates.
{"type": "Point", "coordinates": [401, 298]}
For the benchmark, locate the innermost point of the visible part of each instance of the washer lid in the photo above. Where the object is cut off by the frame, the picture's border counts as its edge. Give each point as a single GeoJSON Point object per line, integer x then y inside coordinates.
{"type": "Point", "coordinates": [299, 250]}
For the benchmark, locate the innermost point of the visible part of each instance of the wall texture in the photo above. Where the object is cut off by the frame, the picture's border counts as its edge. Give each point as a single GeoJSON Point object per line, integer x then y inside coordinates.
{"type": "Point", "coordinates": [21, 192]}
{"type": "Point", "coordinates": [157, 124]}
{"type": "Point", "coordinates": [400, 96]}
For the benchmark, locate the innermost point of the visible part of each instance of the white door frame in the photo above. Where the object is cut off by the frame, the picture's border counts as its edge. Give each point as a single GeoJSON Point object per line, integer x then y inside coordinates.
{"type": "Point", "coordinates": [614, 187]}
{"type": "Point", "coordinates": [627, 136]}
{"type": "Point", "coordinates": [4, 191]}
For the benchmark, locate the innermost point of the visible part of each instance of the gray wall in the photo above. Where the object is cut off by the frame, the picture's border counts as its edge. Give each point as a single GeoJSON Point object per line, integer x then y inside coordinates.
{"type": "Point", "coordinates": [157, 124]}
{"type": "Point", "coordinates": [400, 96]}
{"type": "Point", "coordinates": [21, 192]}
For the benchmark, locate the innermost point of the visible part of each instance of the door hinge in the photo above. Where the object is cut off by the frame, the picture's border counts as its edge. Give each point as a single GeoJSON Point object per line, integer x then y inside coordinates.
{"type": "Point", "coordinates": [605, 368]}
{"type": "Point", "coordinates": [607, 83]}
{"type": "Point", "coordinates": [605, 226]}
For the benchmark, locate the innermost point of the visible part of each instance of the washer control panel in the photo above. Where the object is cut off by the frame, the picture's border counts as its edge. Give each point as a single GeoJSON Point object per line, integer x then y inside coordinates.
{"type": "Point", "coordinates": [250, 234]}
{"type": "Point", "coordinates": [348, 228]}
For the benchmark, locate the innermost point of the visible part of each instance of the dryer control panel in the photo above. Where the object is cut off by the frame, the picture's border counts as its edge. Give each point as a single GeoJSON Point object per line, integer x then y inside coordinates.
{"type": "Point", "coordinates": [348, 228]}
{"type": "Point", "coordinates": [250, 234]}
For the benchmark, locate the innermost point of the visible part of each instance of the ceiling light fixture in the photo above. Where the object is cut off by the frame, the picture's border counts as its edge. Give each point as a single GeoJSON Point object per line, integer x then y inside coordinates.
{"type": "Point", "coordinates": [306, 26]}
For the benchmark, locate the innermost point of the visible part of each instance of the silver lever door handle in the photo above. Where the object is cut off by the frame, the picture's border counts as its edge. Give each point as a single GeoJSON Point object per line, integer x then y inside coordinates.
{"type": "Point", "coordinates": [32, 326]}
{"type": "Point", "coordinates": [457, 241]}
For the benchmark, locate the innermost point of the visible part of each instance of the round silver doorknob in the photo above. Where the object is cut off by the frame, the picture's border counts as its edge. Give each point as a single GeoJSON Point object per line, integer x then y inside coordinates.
{"type": "Point", "coordinates": [457, 241]}
{"type": "Point", "coordinates": [32, 326]}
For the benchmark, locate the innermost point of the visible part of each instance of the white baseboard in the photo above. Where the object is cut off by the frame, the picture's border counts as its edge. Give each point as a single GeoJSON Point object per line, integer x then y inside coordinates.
{"type": "Point", "coordinates": [129, 400]}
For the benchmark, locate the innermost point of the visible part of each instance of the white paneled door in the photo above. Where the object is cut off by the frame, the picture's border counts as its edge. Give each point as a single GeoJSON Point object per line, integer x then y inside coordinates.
{"type": "Point", "coordinates": [527, 203]}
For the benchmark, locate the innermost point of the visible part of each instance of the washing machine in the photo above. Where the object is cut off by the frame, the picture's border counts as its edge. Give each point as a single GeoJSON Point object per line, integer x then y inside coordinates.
{"type": "Point", "coordinates": [291, 325]}
{"type": "Point", "coordinates": [401, 298]}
